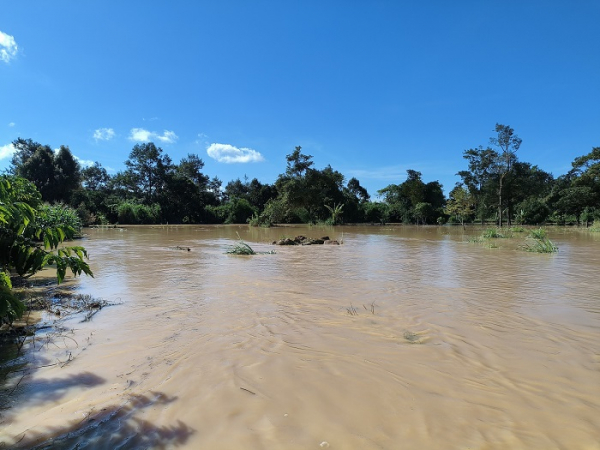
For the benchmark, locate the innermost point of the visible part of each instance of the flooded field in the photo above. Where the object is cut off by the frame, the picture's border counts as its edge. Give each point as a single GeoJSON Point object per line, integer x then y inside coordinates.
{"type": "Point", "coordinates": [401, 338]}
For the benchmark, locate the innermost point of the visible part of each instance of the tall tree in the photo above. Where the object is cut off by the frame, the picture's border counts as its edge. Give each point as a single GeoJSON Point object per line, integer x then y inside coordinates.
{"type": "Point", "coordinates": [39, 169]}
{"type": "Point", "coordinates": [298, 163]}
{"type": "Point", "coordinates": [479, 178]}
{"type": "Point", "coordinates": [146, 172]}
{"type": "Point", "coordinates": [94, 177]}
{"type": "Point", "coordinates": [67, 175]}
{"type": "Point", "coordinates": [191, 167]}
{"type": "Point", "coordinates": [508, 143]}
{"type": "Point", "coordinates": [24, 149]}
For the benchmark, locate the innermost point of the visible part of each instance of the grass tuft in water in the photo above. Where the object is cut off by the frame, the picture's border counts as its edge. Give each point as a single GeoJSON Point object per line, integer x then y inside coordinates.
{"type": "Point", "coordinates": [494, 233]}
{"type": "Point", "coordinates": [538, 242]}
{"type": "Point", "coordinates": [412, 338]}
{"type": "Point", "coordinates": [352, 310]}
{"type": "Point", "coordinates": [241, 248]}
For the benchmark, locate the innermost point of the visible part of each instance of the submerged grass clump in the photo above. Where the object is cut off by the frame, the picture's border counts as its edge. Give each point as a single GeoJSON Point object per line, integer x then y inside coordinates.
{"type": "Point", "coordinates": [411, 337]}
{"type": "Point", "coordinates": [241, 248]}
{"type": "Point", "coordinates": [538, 242]}
{"type": "Point", "coordinates": [494, 233]}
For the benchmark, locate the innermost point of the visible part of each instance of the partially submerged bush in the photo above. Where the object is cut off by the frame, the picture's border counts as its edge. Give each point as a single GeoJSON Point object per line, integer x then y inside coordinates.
{"type": "Point", "coordinates": [241, 248]}
{"type": "Point", "coordinates": [494, 233]}
{"type": "Point", "coordinates": [538, 242]}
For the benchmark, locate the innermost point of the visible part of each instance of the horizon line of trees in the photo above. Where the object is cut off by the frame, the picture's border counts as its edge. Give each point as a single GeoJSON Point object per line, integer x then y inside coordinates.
{"type": "Point", "coordinates": [495, 187]}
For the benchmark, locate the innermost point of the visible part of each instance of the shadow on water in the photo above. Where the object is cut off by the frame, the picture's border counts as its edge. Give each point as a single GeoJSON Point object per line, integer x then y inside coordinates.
{"type": "Point", "coordinates": [114, 427]}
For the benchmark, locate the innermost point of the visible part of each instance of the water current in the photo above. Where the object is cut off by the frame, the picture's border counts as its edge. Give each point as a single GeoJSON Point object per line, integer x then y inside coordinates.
{"type": "Point", "coordinates": [401, 338]}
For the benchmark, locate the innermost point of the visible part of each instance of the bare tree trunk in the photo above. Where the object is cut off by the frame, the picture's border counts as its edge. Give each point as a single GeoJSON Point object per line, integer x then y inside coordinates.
{"type": "Point", "coordinates": [500, 202]}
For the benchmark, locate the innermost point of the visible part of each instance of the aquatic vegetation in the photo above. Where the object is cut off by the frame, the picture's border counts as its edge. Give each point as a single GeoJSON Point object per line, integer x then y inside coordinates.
{"type": "Point", "coordinates": [412, 338]}
{"type": "Point", "coordinates": [241, 248]}
{"type": "Point", "coordinates": [538, 242]}
{"type": "Point", "coordinates": [494, 233]}
{"type": "Point", "coordinates": [539, 246]}
{"type": "Point", "coordinates": [517, 229]}
{"type": "Point", "coordinates": [351, 310]}
{"type": "Point", "coordinates": [371, 308]}
{"type": "Point", "coordinates": [540, 233]}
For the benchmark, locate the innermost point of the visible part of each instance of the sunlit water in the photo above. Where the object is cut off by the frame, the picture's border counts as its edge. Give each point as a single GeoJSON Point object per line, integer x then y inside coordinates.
{"type": "Point", "coordinates": [401, 338]}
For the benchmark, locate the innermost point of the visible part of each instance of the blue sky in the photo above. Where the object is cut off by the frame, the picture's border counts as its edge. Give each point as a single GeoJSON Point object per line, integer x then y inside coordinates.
{"type": "Point", "coordinates": [370, 87]}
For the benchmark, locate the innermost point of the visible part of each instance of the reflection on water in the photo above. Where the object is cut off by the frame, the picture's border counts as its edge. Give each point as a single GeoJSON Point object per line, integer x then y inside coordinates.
{"type": "Point", "coordinates": [403, 337]}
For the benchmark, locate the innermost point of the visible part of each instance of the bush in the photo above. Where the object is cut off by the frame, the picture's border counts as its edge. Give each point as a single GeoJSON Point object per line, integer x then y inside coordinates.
{"type": "Point", "coordinates": [133, 213]}
{"type": "Point", "coordinates": [58, 215]}
{"type": "Point", "coordinates": [533, 211]}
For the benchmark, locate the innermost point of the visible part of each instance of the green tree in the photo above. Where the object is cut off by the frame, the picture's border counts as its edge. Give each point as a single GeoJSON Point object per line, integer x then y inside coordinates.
{"type": "Point", "coordinates": [67, 175]}
{"type": "Point", "coordinates": [95, 177]}
{"type": "Point", "coordinates": [460, 203]}
{"type": "Point", "coordinates": [404, 198]}
{"type": "Point", "coordinates": [508, 143]}
{"type": "Point", "coordinates": [480, 179]}
{"type": "Point", "coordinates": [147, 169]}
{"type": "Point", "coordinates": [39, 169]}
{"type": "Point", "coordinates": [298, 163]}
{"type": "Point", "coordinates": [191, 168]}
{"type": "Point", "coordinates": [305, 191]}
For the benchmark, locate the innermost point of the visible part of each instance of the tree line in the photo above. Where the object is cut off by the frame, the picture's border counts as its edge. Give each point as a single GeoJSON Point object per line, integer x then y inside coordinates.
{"type": "Point", "coordinates": [495, 187]}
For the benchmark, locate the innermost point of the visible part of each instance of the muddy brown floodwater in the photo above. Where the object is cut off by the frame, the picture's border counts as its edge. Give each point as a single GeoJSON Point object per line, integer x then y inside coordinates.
{"type": "Point", "coordinates": [401, 338]}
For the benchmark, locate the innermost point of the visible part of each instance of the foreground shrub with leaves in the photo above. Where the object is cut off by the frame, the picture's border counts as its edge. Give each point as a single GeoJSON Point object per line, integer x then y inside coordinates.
{"type": "Point", "coordinates": [30, 236]}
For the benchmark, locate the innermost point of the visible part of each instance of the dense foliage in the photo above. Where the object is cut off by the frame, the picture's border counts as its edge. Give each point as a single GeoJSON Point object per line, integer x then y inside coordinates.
{"type": "Point", "coordinates": [496, 187]}
{"type": "Point", "coordinates": [30, 236]}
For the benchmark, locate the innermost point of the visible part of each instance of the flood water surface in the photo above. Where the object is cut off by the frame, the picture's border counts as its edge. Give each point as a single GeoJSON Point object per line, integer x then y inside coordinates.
{"type": "Point", "coordinates": [401, 338]}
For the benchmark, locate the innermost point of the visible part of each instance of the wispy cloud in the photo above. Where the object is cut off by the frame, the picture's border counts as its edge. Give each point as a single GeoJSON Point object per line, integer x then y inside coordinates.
{"type": "Point", "coordinates": [226, 153]}
{"type": "Point", "coordinates": [104, 134]}
{"type": "Point", "coordinates": [82, 162]}
{"type": "Point", "coordinates": [202, 139]}
{"type": "Point", "coordinates": [12, 124]}
{"type": "Point", "coordinates": [6, 151]}
{"type": "Point", "coordinates": [381, 173]}
{"type": "Point", "coordinates": [8, 47]}
{"type": "Point", "coordinates": [141, 135]}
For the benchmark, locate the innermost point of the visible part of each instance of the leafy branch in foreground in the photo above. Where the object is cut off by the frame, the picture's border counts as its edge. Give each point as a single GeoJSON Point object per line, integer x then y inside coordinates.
{"type": "Point", "coordinates": [28, 244]}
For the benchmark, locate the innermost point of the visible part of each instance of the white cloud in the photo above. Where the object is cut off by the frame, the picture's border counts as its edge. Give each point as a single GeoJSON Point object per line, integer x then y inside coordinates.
{"type": "Point", "coordinates": [84, 162]}
{"type": "Point", "coordinates": [6, 151]}
{"type": "Point", "coordinates": [226, 153]}
{"type": "Point", "coordinates": [12, 124]}
{"type": "Point", "coordinates": [8, 47]}
{"type": "Point", "coordinates": [141, 135]}
{"type": "Point", "coordinates": [104, 134]}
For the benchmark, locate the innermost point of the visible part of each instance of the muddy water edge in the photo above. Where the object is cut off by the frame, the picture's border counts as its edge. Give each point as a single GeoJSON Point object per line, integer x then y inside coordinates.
{"type": "Point", "coordinates": [401, 338]}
